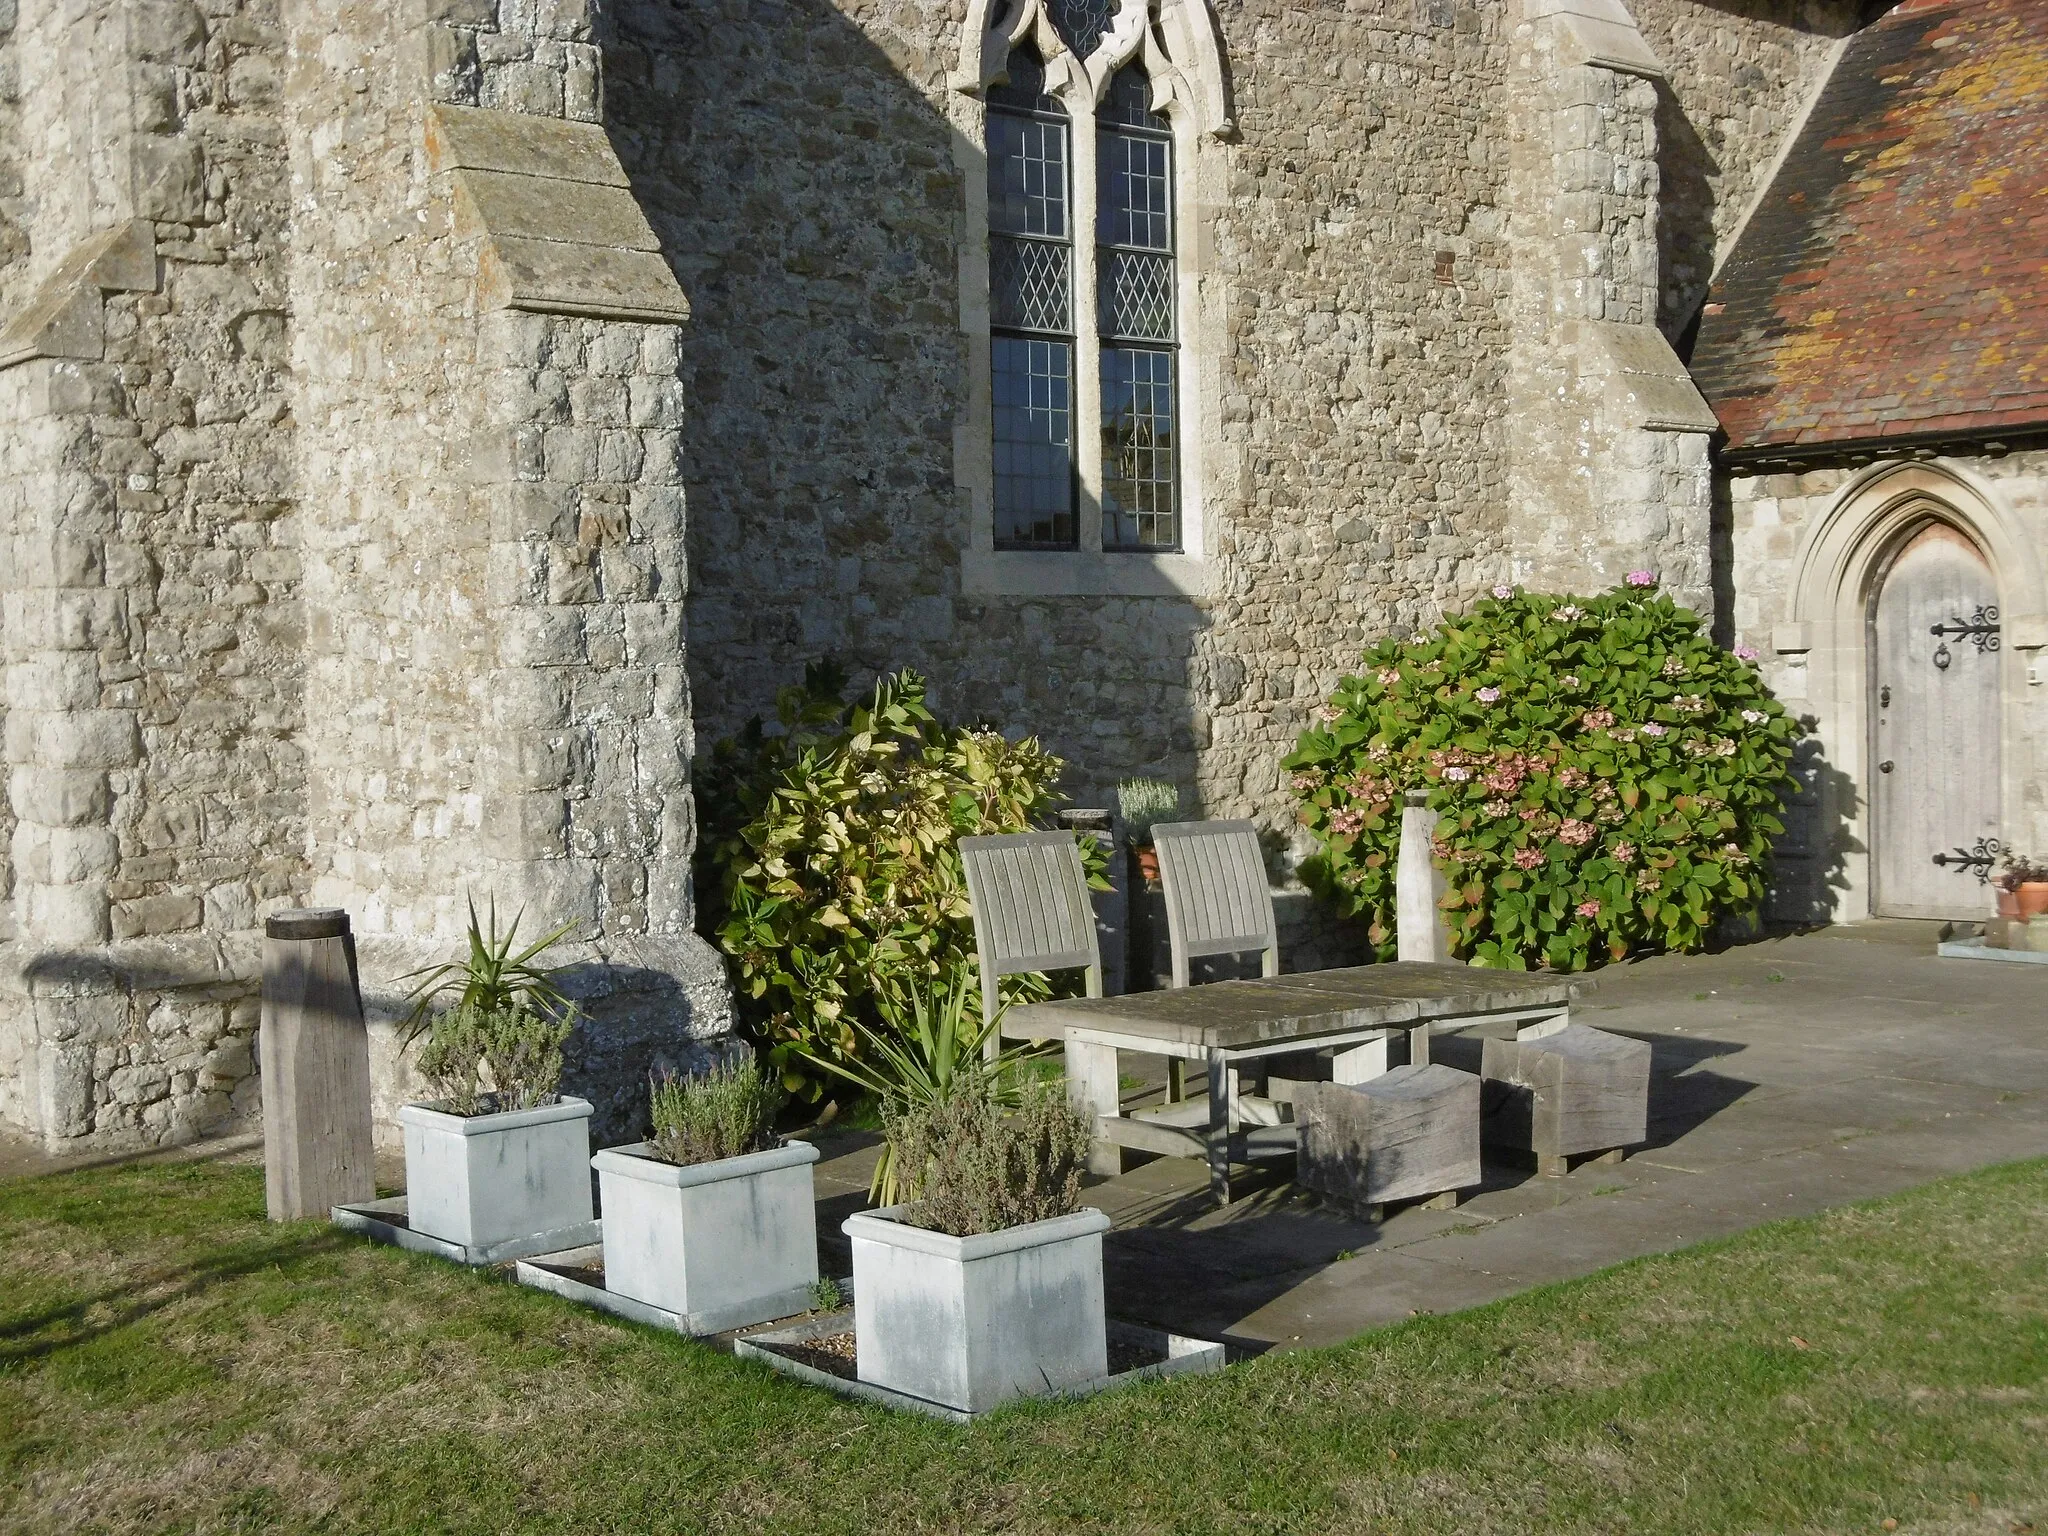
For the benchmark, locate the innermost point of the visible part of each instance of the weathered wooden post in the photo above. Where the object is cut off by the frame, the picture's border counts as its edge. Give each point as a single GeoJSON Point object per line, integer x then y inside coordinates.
{"type": "Point", "coordinates": [316, 1067]}
{"type": "Point", "coordinates": [1418, 885]}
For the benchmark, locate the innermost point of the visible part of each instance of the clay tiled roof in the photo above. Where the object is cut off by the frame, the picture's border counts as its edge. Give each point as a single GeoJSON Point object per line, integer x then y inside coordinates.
{"type": "Point", "coordinates": [1893, 281]}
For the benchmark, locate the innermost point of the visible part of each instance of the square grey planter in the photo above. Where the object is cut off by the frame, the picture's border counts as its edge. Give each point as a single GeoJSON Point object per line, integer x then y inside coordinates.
{"type": "Point", "coordinates": [722, 1245]}
{"type": "Point", "coordinates": [519, 1180]}
{"type": "Point", "coordinates": [969, 1322]}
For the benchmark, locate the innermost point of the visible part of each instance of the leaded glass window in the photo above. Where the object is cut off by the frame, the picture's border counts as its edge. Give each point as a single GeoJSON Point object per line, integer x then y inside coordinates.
{"type": "Point", "coordinates": [1081, 23]}
{"type": "Point", "coordinates": [1031, 312]}
{"type": "Point", "coordinates": [1135, 289]}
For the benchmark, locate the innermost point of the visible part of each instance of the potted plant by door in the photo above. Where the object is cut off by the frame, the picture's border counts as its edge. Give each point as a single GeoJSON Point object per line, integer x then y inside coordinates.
{"type": "Point", "coordinates": [498, 1161]}
{"type": "Point", "coordinates": [711, 1217]}
{"type": "Point", "coordinates": [1141, 804]}
{"type": "Point", "coordinates": [2022, 886]}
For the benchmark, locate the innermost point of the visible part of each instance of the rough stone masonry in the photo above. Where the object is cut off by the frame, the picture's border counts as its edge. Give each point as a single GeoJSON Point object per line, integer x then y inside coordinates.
{"type": "Point", "coordinates": [344, 456]}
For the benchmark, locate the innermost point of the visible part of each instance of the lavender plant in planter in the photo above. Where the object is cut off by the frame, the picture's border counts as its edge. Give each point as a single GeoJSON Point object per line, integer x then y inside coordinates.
{"type": "Point", "coordinates": [497, 1163]}
{"type": "Point", "coordinates": [709, 1218]}
{"type": "Point", "coordinates": [987, 1284]}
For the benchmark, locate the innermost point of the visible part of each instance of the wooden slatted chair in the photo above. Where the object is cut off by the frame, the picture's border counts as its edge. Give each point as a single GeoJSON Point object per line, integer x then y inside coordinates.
{"type": "Point", "coordinates": [1217, 898]}
{"type": "Point", "coordinates": [1217, 903]}
{"type": "Point", "coordinates": [1031, 911]}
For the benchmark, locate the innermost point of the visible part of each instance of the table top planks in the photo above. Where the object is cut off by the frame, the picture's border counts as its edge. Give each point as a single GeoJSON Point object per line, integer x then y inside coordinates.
{"type": "Point", "coordinates": [1234, 1015]}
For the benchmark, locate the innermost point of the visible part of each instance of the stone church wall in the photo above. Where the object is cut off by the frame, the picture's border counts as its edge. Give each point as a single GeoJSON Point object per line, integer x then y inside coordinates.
{"type": "Point", "coordinates": [152, 626]}
{"type": "Point", "coordinates": [1359, 236]}
{"type": "Point", "coordinates": [346, 456]}
{"type": "Point", "coordinates": [800, 160]}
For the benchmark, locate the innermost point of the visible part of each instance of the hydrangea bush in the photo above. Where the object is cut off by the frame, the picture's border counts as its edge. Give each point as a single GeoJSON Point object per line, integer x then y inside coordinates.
{"type": "Point", "coordinates": [1607, 779]}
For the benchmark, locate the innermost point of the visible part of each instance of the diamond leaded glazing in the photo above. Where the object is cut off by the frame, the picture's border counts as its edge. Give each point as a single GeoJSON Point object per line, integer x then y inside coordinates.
{"type": "Point", "coordinates": [1029, 284]}
{"type": "Point", "coordinates": [1137, 295]}
{"type": "Point", "coordinates": [1081, 23]}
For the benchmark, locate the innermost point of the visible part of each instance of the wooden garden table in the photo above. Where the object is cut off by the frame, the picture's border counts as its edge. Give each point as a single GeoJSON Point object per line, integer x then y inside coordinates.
{"type": "Point", "coordinates": [1354, 1012]}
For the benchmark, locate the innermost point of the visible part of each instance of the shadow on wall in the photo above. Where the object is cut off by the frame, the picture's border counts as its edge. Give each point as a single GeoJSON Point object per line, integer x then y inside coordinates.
{"type": "Point", "coordinates": [1809, 863]}
{"type": "Point", "coordinates": [806, 189]}
{"type": "Point", "coordinates": [1687, 174]}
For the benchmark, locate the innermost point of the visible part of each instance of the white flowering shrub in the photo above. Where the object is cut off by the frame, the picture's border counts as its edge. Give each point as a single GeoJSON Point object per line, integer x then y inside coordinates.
{"type": "Point", "coordinates": [1607, 778]}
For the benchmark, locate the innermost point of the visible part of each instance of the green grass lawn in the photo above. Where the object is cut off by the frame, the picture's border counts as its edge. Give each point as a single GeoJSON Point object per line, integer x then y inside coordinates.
{"type": "Point", "coordinates": [168, 1361]}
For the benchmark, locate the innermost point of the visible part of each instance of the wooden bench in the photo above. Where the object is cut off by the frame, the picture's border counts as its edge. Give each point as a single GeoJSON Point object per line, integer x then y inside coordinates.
{"type": "Point", "coordinates": [1565, 1093]}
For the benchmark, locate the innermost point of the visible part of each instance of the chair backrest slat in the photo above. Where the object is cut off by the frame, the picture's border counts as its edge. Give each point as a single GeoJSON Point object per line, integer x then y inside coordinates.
{"type": "Point", "coordinates": [1031, 909]}
{"type": "Point", "coordinates": [1217, 898]}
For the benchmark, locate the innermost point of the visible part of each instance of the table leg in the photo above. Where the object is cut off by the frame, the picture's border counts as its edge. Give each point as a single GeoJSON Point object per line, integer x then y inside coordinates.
{"type": "Point", "coordinates": [1091, 1089]}
{"type": "Point", "coordinates": [1176, 1080]}
{"type": "Point", "coordinates": [1360, 1063]}
{"type": "Point", "coordinates": [1223, 1124]}
{"type": "Point", "coordinates": [1550, 1026]}
{"type": "Point", "coordinates": [1418, 1046]}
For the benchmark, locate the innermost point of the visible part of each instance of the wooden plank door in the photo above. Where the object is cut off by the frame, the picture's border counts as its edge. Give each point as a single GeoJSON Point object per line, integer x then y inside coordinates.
{"type": "Point", "coordinates": [1935, 704]}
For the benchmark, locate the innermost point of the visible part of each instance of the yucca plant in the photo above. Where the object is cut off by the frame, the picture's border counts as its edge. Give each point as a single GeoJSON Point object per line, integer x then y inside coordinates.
{"type": "Point", "coordinates": [506, 1022]}
{"type": "Point", "coordinates": [492, 978]}
{"type": "Point", "coordinates": [934, 1048]}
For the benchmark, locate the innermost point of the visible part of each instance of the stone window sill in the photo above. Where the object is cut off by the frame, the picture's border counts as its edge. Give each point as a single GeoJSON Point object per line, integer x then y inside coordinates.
{"type": "Point", "coordinates": [1083, 573]}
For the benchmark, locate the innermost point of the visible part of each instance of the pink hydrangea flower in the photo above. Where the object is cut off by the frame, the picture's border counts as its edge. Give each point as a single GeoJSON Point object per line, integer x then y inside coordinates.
{"type": "Point", "coordinates": [1597, 719]}
{"type": "Point", "coordinates": [1754, 717]}
{"type": "Point", "coordinates": [1503, 593]}
{"type": "Point", "coordinates": [1496, 808]}
{"type": "Point", "coordinates": [1575, 833]}
{"type": "Point", "coordinates": [1347, 822]}
{"type": "Point", "coordinates": [1304, 782]}
{"type": "Point", "coordinates": [1457, 775]}
{"type": "Point", "coordinates": [1588, 909]}
{"type": "Point", "coordinates": [1641, 578]}
{"type": "Point", "coordinates": [1488, 695]}
{"type": "Point", "coordinates": [1569, 612]}
{"type": "Point", "coordinates": [1624, 853]}
{"type": "Point", "coordinates": [1570, 680]}
{"type": "Point", "coordinates": [1527, 858]}
{"type": "Point", "coordinates": [1654, 729]}
{"type": "Point", "coordinates": [1745, 653]}
{"type": "Point", "coordinates": [1389, 676]}
{"type": "Point", "coordinates": [1627, 735]}
{"type": "Point", "coordinates": [1329, 713]}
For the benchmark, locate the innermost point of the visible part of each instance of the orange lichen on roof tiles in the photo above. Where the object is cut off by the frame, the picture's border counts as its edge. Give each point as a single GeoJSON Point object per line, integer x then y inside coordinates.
{"type": "Point", "coordinates": [1893, 280]}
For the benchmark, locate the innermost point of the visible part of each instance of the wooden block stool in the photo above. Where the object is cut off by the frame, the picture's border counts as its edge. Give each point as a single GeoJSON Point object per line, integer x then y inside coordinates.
{"type": "Point", "coordinates": [1411, 1133]}
{"type": "Point", "coordinates": [1562, 1095]}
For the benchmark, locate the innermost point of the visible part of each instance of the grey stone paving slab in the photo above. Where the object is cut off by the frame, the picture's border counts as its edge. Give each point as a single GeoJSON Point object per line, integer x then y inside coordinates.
{"type": "Point", "coordinates": [1870, 1066]}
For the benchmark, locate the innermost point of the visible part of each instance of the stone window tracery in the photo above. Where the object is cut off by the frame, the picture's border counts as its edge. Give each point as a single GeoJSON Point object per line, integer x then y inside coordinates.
{"type": "Point", "coordinates": [1091, 111]}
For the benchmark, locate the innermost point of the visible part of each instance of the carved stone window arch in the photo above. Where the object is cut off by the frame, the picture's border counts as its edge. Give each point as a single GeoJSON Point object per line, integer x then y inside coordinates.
{"type": "Point", "coordinates": [1141, 80]}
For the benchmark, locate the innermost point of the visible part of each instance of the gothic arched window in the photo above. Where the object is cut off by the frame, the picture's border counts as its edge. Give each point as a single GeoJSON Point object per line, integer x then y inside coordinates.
{"type": "Point", "coordinates": [1095, 352]}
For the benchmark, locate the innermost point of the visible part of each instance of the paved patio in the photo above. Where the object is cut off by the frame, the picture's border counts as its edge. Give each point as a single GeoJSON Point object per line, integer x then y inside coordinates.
{"type": "Point", "coordinates": [1789, 1076]}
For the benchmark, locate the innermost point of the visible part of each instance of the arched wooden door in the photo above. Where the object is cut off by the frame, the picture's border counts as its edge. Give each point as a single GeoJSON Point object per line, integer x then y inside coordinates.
{"type": "Point", "coordinates": [1935, 742]}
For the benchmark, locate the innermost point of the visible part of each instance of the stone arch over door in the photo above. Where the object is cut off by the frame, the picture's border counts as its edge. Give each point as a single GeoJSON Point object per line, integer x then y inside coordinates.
{"type": "Point", "coordinates": [1836, 577]}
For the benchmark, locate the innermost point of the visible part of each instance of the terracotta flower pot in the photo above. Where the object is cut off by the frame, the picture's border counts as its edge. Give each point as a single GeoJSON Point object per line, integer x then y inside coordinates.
{"type": "Point", "coordinates": [1148, 865]}
{"type": "Point", "coordinates": [2008, 902]}
{"type": "Point", "coordinates": [2033, 897]}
